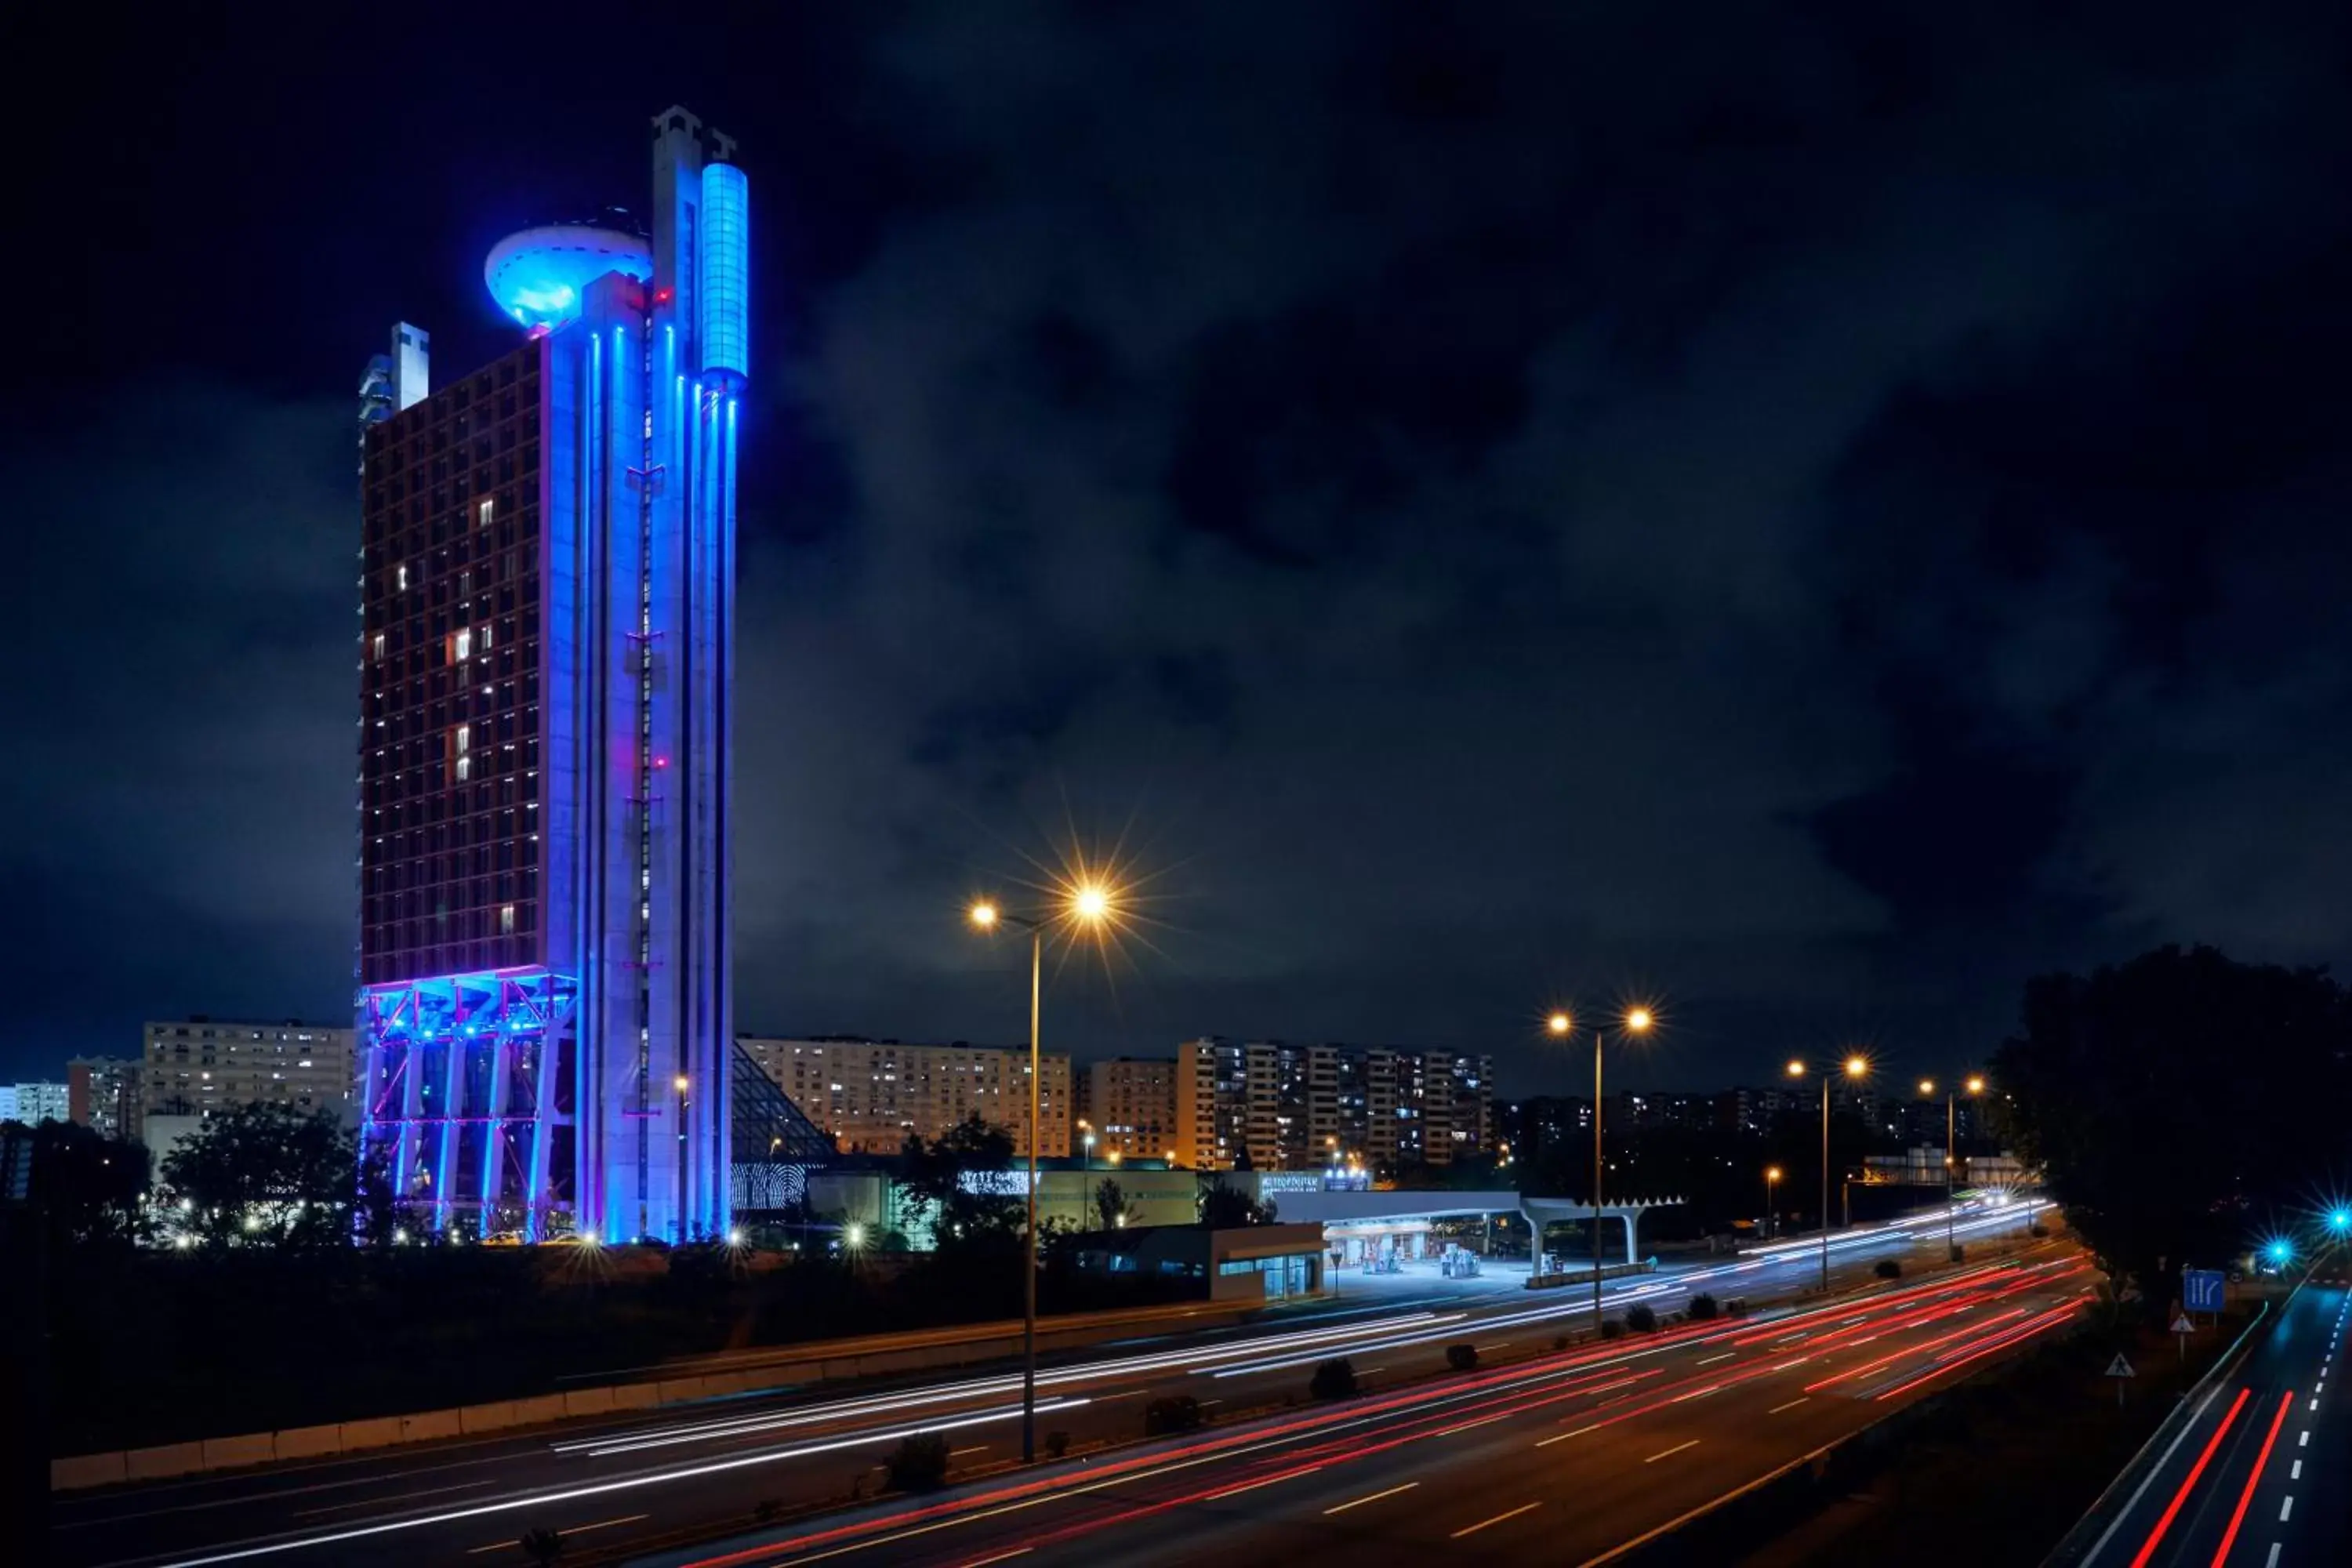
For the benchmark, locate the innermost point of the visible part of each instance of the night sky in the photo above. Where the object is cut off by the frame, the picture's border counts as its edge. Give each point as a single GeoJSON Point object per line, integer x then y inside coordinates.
{"type": "Point", "coordinates": [1807, 516]}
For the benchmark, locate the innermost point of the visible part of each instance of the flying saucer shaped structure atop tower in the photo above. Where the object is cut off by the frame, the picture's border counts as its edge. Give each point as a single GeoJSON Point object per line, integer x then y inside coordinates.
{"type": "Point", "coordinates": [541, 276]}
{"type": "Point", "coordinates": [547, 694]}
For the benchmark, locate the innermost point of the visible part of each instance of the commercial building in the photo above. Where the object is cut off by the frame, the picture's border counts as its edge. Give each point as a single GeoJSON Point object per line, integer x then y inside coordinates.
{"type": "Point", "coordinates": [34, 1103]}
{"type": "Point", "coordinates": [546, 673]}
{"type": "Point", "coordinates": [874, 1095]}
{"type": "Point", "coordinates": [1292, 1108]}
{"type": "Point", "coordinates": [105, 1093]}
{"type": "Point", "coordinates": [196, 1067]}
{"type": "Point", "coordinates": [1256, 1263]}
{"type": "Point", "coordinates": [1129, 1104]}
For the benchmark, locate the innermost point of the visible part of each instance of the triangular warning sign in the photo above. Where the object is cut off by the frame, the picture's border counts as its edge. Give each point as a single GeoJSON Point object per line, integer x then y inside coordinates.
{"type": "Point", "coordinates": [2120, 1367]}
{"type": "Point", "coordinates": [2181, 1325]}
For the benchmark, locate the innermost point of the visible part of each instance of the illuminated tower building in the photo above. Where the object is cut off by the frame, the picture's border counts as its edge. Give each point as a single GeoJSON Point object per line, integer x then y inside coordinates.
{"type": "Point", "coordinates": [547, 669]}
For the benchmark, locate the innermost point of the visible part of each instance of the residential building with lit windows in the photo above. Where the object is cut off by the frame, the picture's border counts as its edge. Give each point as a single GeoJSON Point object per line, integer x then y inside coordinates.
{"type": "Point", "coordinates": [105, 1093]}
{"type": "Point", "coordinates": [1296, 1108]}
{"type": "Point", "coordinates": [34, 1103]}
{"type": "Point", "coordinates": [1129, 1105]}
{"type": "Point", "coordinates": [874, 1095]}
{"type": "Point", "coordinates": [196, 1067]}
{"type": "Point", "coordinates": [546, 673]}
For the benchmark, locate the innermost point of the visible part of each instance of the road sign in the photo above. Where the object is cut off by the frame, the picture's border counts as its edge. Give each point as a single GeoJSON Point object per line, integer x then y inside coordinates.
{"type": "Point", "coordinates": [2120, 1367]}
{"type": "Point", "coordinates": [2181, 1325]}
{"type": "Point", "coordinates": [2200, 1289]}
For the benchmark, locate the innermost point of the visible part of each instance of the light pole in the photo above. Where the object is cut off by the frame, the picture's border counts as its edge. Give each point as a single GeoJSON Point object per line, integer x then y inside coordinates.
{"type": "Point", "coordinates": [1951, 1151]}
{"type": "Point", "coordinates": [1088, 906]}
{"type": "Point", "coordinates": [677, 1228]}
{"type": "Point", "coordinates": [1855, 1067]}
{"type": "Point", "coordinates": [1772, 1214]}
{"type": "Point", "coordinates": [1637, 1021]}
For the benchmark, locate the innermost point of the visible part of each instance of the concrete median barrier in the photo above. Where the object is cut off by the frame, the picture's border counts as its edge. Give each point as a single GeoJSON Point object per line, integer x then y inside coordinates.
{"type": "Point", "coordinates": [235, 1453]}
{"type": "Point", "coordinates": [87, 1470]}
{"type": "Point", "coordinates": [309, 1442]}
{"type": "Point", "coordinates": [492, 1417]}
{"type": "Point", "coordinates": [162, 1463]}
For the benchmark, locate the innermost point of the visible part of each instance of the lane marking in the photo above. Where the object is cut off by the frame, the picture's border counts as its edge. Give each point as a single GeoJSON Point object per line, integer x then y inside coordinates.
{"type": "Point", "coordinates": [575, 1530]}
{"type": "Point", "coordinates": [2295, 1474]}
{"type": "Point", "coordinates": [1790, 1405]}
{"type": "Point", "coordinates": [1670, 1453]}
{"type": "Point", "coordinates": [2304, 1441]}
{"type": "Point", "coordinates": [2272, 1560]}
{"type": "Point", "coordinates": [1374, 1497]}
{"type": "Point", "coordinates": [2172, 1508]}
{"type": "Point", "coordinates": [1473, 1530]}
{"type": "Point", "coordinates": [1713, 1359]}
{"type": "Point", "coordinates": [2284, 1509]}
{"type": "Point", "coordinates": [1252, 1486]}
{"type": "Point", "coordinates": [1564, 1436]}
{"type": "Point", "coordinates": [999, 1557]}
{"type": "Point", "coordinates": [2254, 1478]}
{"type": "Point", "coordinates": [396, 1497]}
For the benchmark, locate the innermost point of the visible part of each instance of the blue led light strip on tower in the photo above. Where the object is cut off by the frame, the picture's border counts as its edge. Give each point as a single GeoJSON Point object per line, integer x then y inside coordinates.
{"type": "Point", "coordinates": [722, 314]}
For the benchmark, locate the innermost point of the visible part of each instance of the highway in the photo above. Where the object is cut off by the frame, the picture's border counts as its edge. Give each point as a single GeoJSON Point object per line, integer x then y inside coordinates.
{"type": "Point", "coordinates": [712, 1464]}
{"type": "Point", "coordinates": [1564, 1460]}
{"type": "Point", "coordinates": [2258, 1476]}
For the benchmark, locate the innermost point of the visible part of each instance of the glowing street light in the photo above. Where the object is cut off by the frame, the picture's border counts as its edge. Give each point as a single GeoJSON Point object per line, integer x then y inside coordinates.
{"type": "Point", "coordinates": [1771, 1178]}
{"type": "Point", "coordinates": [1975, 1085]}
{"type": "Point", "coordinates": [1560, 1025]}
{"type": "Point", "coordinates": [2339, 1221]}
{"type": "Point", "coordinates": [1090, 905]}
{"type": "Point", "coordinates": [1855, 1067]}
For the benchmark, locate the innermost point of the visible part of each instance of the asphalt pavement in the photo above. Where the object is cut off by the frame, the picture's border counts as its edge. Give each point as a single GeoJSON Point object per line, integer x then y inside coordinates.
{"type": "Point", "coordinates": [653, 1473]}
{"type": "Point", "coordinates": [2261, 1474]}
{"type": "Point", "coordinates": [1569, 1460]}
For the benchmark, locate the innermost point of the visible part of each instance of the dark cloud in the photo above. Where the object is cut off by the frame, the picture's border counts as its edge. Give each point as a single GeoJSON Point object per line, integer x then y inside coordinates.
{"type": "Point", "coordinates": [1817, 516]}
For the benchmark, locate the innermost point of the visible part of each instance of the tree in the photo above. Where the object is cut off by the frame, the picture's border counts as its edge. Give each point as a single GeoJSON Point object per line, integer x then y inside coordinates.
{"type": "Point", "coordinates": [1229, 1208]}
{"type": "Point", "coordinates": [2178, 1104]}
{"type": "Point", "coordinates": [93, 1187]}
{"type": "Point", "coordinates": [1110, 1204]}
{"type": "Point", "coordinates": [271, 1175]}
{"type": "Point", "coordinates": [933, 1191]}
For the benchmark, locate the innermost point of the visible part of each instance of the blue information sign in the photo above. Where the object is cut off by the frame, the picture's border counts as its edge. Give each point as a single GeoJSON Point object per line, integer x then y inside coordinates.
{"type": "Point", "coordinates": [2200, 1289]}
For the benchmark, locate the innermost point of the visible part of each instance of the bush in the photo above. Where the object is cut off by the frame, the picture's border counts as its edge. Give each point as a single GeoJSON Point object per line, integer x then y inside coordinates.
{"type": "Point", "coordinates": [1736, 1308]}
{"type": "Point", "coordinates": [920, 1463]}
{"type": "Point", "coordinates": [1641, 1319]}
{"type": "Point", "coordinates": [1703, 1308]}
{"type": "Point", "coordinates": [1334, 1379]}
{"type": "Point", "coordinates": [1056, 1445]}
{"type": "Point", "coordinates": [1559, 1341]}
{"type": "Point", "coordinates": [2039, 1229]}
{"type": "Point", "coordinates": [1613, 1330]}
{"type": "Point", "coordinates": [1176, 1412]}
{"type": "Point", "coordinates": [1462, 1358]}
{"type": "Point", "coordinates": [1888, 1268]}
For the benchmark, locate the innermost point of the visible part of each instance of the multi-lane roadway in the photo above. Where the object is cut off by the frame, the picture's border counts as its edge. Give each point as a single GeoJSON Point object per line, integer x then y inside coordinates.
{"type": "Point", "coordinates": [1567, 1459]}
{"type": "Point", "coordinates": [2261, 1473]}
{"type": "Point", "coordinates": [647, 1476]}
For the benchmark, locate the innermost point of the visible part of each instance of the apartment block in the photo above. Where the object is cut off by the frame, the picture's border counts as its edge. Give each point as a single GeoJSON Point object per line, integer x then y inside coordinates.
{"type": "Point", "coordinates": [1295, 1107]}
{"type": "Point", "coordinates": [203, 1065]}
{"type": "Point", "coordinates": [1130, 1104]}
{"type": "Point", "coordinates": [873, 1095]}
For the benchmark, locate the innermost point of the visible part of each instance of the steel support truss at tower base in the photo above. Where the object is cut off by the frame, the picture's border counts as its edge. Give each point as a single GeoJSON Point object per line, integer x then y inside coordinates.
{"type": "Point", "coordinates": [470, 1095]}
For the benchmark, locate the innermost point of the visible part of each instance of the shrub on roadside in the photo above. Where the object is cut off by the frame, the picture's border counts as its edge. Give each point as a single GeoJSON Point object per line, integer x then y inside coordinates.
{"type": "Point", "coordinates": [1703, 1308]}
{"type": "Point", "coordinates": [1641, 1318]}
{"type": "Point", "coordinates": [1888, 1268]}
{"type": "Point", "coordinates": [1334, 1379]}
{"type": "Point", "coordinates": [1613, 1330]}
{"type": "Point", "coordinates": [919, 1463]}
{"type": "Point", "coordinates": [1176, 1412]}
{"type": "Point", "coordinates": [1462, 1358]}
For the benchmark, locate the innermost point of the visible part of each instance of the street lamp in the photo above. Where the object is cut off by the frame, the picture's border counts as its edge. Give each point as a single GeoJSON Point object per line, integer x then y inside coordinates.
{"type": "Point", "coordinates": [1975, 1085]}
{"type": "Point", "coordinates": [1561, 1024]}
{"type": "Point", "coordinates": [677, 1228]}
{"type": "Point", "coordinates": [1087, 906]}
{"type": "Point", "coordinates": [1856, 1066]}
{"type": "Point", "coordinates": [1771, 1178]}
